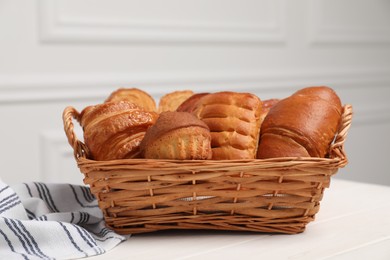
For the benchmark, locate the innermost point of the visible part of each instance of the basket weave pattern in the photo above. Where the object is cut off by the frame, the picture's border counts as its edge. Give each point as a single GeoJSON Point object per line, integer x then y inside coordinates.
{"type": "Point", "coordinates": [277, 195]}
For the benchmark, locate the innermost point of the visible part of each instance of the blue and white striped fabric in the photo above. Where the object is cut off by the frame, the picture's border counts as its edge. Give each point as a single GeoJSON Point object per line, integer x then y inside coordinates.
{"type": "Point", "coordinates": [52, 221]}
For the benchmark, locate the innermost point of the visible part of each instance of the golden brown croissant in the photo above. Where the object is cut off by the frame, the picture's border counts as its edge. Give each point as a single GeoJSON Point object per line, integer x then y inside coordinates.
{"type": "Point", "coordinates": [234, 122]}
{"type": "Point", "coordinates": [301, 125]}
{"type": "Point", "coordinates": [170, 101]}
{"type": "Point", "coordinates": [114, 130]}
{"type": "Point", "coordinates": [133, 95]}
{"type": "Point", "coordinates": [177, 135]}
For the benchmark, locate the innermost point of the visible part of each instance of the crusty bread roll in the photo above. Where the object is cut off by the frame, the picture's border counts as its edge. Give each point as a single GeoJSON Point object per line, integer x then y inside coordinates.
{"type": "Point", "coordinates": [234, 122]}
{"type": "Point", "coordinates": [190, 103]}
{"type": "Point", "coordinates": [302, 125]}
{"type": "Point", "coordinates": [170, 101]}
{"type": "Point", "coordinates": [114, 130]}
{"type": "Point", "coordinates": [133, 95]}
{"type": "Point", "coordinates": [177, 135]}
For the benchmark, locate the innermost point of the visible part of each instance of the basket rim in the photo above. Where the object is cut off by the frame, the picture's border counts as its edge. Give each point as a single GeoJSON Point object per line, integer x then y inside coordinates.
{"type": "Point", "coordinates": [280, 162]}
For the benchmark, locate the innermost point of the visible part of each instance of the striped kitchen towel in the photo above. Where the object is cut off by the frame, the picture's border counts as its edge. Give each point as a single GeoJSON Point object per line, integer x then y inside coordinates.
{"type": "Point", "coordinates": [52, 221]}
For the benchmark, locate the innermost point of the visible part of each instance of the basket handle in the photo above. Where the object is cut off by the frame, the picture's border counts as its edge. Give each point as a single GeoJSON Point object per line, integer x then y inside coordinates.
{"type": "Point", "coordinates": [79, 148]}
{"type": "Point", "coordinates": [337, 148]}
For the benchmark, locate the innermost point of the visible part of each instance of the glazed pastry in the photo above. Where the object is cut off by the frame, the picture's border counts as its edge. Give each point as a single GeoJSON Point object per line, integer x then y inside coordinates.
{"type": "Point", "coordinates": [171, 101]}
{"type": "Point", "coordinates": [177, 135]}
{"type": "Point", "coordinates": [267, 105]}
{"type": "Point", "coordinates": [302, 125]}
{"type": "Point", "coordinates": [114, 130]}
{"type": "Point", "coordinates": [133, 95]}
{"type": "Point", "coordinates": [190, 103]}
{"type": "Point", "coordinates": [234, 122]}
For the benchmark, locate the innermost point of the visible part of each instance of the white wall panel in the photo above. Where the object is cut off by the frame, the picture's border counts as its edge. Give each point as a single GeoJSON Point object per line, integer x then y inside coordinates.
{"type": "Point", "coordinates": [65, 52]}
{"type": "Point", "coordinates": [349, 21]}
{"type": "Point", "coordinates": [154, 21]}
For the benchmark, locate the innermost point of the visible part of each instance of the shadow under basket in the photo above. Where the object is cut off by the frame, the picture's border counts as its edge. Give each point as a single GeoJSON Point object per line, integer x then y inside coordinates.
{"type": "Point", "coordinates": [280, 195]}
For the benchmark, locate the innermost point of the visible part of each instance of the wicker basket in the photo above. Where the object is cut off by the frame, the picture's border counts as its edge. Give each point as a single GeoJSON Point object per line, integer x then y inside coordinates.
{"type": "Point", "coordinates": [279, 195]}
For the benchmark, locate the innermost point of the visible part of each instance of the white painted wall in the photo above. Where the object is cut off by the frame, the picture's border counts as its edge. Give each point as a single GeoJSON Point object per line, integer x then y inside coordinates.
{"type": "Point", "coordinates": [55, 53]}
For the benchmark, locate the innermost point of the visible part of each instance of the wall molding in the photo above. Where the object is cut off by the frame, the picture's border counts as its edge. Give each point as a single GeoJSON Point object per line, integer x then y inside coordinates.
{"type": "Point", "coordinates": [33, 87]}
{"type": "Point", "coordinates": [40, 88]}
{"type": "Point", "coordinates": [57, 27]}
{"type": "Point", "coordinates": [322, 31]}
{"type": "Point", "coordinates": [367, 87]}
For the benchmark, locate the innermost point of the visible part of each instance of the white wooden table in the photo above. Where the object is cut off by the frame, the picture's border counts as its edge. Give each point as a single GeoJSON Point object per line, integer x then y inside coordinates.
{"type": "Point", "coordinates": [353, 223]}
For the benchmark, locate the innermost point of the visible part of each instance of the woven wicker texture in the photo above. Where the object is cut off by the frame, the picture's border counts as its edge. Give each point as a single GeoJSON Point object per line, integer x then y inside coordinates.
{"type": "Point", "coordinates": [277, 195]}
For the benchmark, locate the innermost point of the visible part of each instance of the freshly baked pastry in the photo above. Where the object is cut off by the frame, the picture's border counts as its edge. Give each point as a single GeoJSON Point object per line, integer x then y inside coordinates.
{"type": "Point", "coordinates": [302, 125]}
{"type": "Point", "coordinates": [177, 135]}
{"type": "Point", "coordinates": [267, 105]}
{"type": "Point", "coordinates": [133, 95]}
{"type": "Point", "coordinates": [234, 122]}
{"type": "Point", "coordinates": [170, 101]}
{"type": "Point", "coordinates": [114, 130]}
{"type": "Point", "coordinates": [190, 103]}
